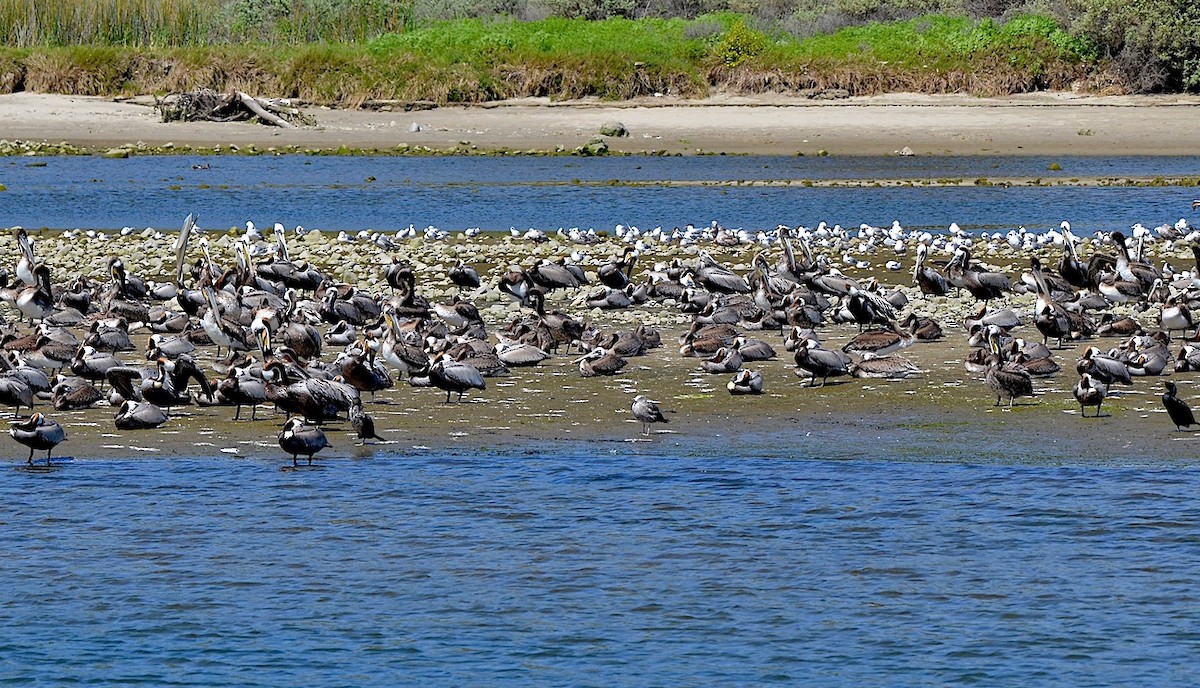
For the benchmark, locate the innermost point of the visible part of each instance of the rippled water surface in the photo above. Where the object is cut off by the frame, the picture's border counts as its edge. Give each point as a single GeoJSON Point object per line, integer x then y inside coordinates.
{"type": "Point", "coordinates": [352, 193]}
{"type": "Point", "coordinates": [600, 565]}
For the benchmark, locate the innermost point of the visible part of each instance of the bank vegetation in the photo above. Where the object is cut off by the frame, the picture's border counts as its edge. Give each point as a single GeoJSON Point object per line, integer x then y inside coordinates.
{"type": "Point", "coordinates": [349, 52]}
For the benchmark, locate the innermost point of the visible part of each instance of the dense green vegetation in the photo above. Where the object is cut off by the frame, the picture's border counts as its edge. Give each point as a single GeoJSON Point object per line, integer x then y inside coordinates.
{"type": "Point", "coordinates": [348, 51]}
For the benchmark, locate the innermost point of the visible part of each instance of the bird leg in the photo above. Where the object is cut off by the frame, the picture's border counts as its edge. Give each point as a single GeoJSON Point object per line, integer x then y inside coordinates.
{"type": "Point", "coordinates": [31, 456]}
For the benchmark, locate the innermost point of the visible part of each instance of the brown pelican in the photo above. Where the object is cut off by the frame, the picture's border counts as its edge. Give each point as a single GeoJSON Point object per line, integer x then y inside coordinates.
{"type": "Point", "coordinates": [1049, 316]}
{"type": "Point", "coordinates": [38, 433]}
{"type": "Point", "coordinates": [812, 359]}
{"type": "Point", "coordinates": [397, 273]}
{"type": "Point", "coordinates": [457, 313]}
{"type": "Point", "coordinates": [754, 349]}
{"type": "Point", "coordinates": [1129, 281]}
{"type": "Point", "coordinates": [1001, 317]}
{"type": "Point", "coordinates": [170, 347]}
{"type": "Point", "coordinates": [1006, 378]}
{"type": "Point", "coordinates": [616, 274]}
{"type": "Point", "coordinates": [1069, 266]}
{"type": "Point", "coordinates": [868, 308]}
{"type": "Point", "coordinates": [16, 393]}
{"type": "Point", "coordinates": [879, 342]}
{"type": "Point", "coordinates": [886, 367]}
{"type": "Point", "coordinates": [983, 285]}
{"type": "Point", "coordinates": [726, 360]}
{"type": "Point", "coordinates": [453, 376]}
{"type": "Point", "coordinates": [297, 438]}
{"type": "Point", "coordinates": [518, 354]}
{"type": "Point", "coordinates": [607, 299]}
{"type": "Point", "coordinates": [1089, 392]}
{"type": "Point", "coordinates": [37, 302]}
{"type": "Point", "coordinates": [136, 415]}
{"type": "Point", "coordinates": [70, 393]}
{"type": "Point", "coordinates": [1102, 367]}
{"type": "Point", "coordinates": [562, 328]}
{"type": "Point", "coordinates": [1112, 325]}
{"type": "Point", "coordinates": [1175, 315]}
{"type": "Point", "coordinates": [316, 399]}
{"type": "Point", "coordinates": [922, 328]}
{"type": "Point", "coordinates": [91, 364]}
{"type": "Point", "coordinates": [647, 412]}
{"type": "Point", "coordinates": [465, 276]}
{"type": "Point", "coordinates": [27, 262]}
{"type": "Point", "coordinates": [718, 278]}
{"type": "Point", "coordinates": [599, 362]}
{"type": "Point", "coordinates": [1177, 409]}
{"type": "Point", "coordinates": [240, 388]}
{"type": "Point", "coordinates": [929, 280]}
{"type": "Point", "coordinates": [1188, 358]}
{"type": "Point", "coordinates": [746, 382]}
{"type": "Point", "coordinates": [550, 275]}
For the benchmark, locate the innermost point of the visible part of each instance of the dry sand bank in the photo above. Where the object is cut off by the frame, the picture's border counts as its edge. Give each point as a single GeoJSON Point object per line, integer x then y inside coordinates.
{"type": "Point", "coordinates": [1043, 124]}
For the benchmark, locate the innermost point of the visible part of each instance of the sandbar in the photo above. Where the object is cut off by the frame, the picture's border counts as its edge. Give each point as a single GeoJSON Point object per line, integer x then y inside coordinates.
{"type": "Point", "coordinates": [1028, 124]}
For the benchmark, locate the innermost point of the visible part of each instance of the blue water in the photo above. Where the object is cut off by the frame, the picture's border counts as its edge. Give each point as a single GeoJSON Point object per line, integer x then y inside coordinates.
{"type": "Point", "coordinates": [348, 193]}
{"type": "Point", "coordinates": [594, 565]}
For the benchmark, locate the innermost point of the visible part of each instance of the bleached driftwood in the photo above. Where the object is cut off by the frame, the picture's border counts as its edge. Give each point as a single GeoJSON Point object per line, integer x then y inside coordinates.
{"type": "Point", "coordinates": [205, 105]}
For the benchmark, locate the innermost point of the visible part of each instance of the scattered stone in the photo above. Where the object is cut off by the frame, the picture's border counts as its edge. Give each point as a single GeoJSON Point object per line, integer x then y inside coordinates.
{"type": "Point", "coordinates": [115, 153]}
{"type": "Point", "coordinates": [596, 146]}
{"type": "Point", "coordinates": [414, 127]}
{"type": "Point", "coordinates": [613, 128]}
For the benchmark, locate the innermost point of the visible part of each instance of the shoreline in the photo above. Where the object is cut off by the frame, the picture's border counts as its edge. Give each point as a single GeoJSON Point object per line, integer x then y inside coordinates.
{"type": "Point", "coordinates": [1031, 124]}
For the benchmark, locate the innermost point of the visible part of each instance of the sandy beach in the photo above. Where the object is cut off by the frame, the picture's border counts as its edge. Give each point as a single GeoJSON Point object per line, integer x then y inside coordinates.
{"type": "Point", "coordinates": [1032, 124]}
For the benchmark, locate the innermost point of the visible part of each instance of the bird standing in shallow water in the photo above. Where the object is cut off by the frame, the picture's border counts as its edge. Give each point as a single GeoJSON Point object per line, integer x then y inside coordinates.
{"type": "Point", "coordinates": [1177, 409]}
{"type": "Point", "coordinates": [363, 424]}
{"type": "Point", "coordinates": [38, 433]}
{"type": "Point", "coordinates": [647, 412]}
{"type": "Point", "coordinates": [297, 438]}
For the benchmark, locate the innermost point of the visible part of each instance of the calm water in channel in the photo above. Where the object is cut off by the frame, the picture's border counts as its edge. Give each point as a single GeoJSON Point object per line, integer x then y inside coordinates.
{"type": "Point", "coordinates": [580, 565]}
{"type": "Point", "coordinates": [665, 563]}
{"type": "Point", "coordinates": [348, 193]}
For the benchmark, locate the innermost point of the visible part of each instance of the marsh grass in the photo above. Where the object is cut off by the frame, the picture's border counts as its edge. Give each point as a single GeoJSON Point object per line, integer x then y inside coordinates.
{"type": "Point", "coordinates": [473, 60]}
{"type": "Point", "coordinates": [181, 23]}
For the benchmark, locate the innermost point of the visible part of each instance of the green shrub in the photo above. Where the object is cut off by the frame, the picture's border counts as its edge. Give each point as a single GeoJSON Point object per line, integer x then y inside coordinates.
{"type": "Point", "coordinates": [739, 44]}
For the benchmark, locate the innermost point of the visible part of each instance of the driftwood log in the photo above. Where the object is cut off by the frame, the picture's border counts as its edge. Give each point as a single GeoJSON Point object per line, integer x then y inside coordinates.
{"type": "Point", "coordinates": [205, 105]}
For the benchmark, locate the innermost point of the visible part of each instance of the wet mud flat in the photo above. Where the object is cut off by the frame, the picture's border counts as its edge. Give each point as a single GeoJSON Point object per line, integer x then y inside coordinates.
{"type": "Point", "coordinates": [943, 413]}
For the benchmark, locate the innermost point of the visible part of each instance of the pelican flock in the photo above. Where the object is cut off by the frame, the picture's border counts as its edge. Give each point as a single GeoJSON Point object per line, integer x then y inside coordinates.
{"type": "Point", "coordinates": [322, 328]}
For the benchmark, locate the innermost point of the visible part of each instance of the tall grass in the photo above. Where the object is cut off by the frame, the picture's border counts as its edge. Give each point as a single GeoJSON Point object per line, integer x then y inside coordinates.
{"type": "Point", "coordinates": [183, 23]}
{"type": "Point", "coordinates": [473, 60]}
